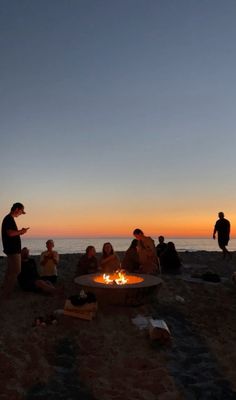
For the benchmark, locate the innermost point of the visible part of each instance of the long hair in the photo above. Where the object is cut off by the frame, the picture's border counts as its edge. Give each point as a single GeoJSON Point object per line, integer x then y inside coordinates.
{"type": "Point", "coordinates": [104, 254]}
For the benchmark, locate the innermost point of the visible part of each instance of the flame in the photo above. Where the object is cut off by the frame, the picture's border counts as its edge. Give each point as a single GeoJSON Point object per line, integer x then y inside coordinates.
{"type": "Point", "coordinates": [119, 278]}
{"type": "Point", "coordinates": [107, 279]}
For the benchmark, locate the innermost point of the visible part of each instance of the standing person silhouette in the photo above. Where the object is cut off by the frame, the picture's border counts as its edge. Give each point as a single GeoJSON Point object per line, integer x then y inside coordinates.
{"type": "Point", "coordinates": [12, 248]}
{"type": "Point", "coordinates": [146, 249]}
{"type": "Point", "coordinates": [222, 227]}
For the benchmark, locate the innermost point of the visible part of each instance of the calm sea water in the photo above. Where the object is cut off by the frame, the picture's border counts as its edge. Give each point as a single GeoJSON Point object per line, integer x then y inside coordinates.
{"type": "Point", "coordinates": [78, 245]}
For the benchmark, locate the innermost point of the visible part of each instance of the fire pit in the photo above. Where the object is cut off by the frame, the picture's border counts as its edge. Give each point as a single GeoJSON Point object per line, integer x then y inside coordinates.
{"type": "Point", "coordinates": [121, 289]}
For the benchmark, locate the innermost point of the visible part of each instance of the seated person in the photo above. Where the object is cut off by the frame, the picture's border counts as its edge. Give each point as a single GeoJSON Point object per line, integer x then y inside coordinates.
{"type": "Point", "coordinates": [29, 279]}
{"type": "Point", "coordinates": [131, 260]}
{"type": "Point", "coordinates": [161, 247]}
{"type": "Point", "coordinates": [171, 263]}
{"type": "Point", "coordinates": [49, 260]}
{"type": "Point", "coordinates": [88, 263]}
{"type": "Point", "coordinates": [109, 261]}
{"type": "Point", "coordinates": [148, 260]}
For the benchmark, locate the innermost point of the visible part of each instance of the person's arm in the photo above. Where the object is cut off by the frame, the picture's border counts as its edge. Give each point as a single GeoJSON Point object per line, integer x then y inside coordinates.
{"type": "Point", "coordinates": [55, 257]}
{"type": "Point", "coordinates": [44, 258]}
{"type": "Point", "coordinates": [214, 233]}
{"type": "Point", "coordinates": [13, 232]}
{"type": "Point", "coordinates": [105, 260]}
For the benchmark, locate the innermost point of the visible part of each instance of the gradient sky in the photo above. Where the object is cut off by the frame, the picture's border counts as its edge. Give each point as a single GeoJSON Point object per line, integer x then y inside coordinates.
{"type": "Point", "coordinates": [117, 114]}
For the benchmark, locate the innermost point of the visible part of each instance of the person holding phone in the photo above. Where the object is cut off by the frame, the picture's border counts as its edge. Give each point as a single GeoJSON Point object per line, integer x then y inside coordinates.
{"type": "Point", "coordinates": [12, 248]}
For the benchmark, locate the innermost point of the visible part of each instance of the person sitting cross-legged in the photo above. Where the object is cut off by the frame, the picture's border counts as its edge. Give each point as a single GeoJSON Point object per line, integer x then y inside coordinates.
{"type": "Point", "coordinates": [49, 261]}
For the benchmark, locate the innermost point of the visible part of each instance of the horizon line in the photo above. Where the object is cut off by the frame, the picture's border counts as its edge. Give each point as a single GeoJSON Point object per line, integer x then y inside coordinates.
{"type": "Point", "coordinates": [118, 236]}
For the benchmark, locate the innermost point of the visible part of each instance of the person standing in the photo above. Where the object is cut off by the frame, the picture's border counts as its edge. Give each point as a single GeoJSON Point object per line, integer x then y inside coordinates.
{"type": "Point", "coordinates": [222, 228]}
{"type": "Point", "coordinates": [148, 260]}
{"type": "Point", "coordinates": [12, 248]}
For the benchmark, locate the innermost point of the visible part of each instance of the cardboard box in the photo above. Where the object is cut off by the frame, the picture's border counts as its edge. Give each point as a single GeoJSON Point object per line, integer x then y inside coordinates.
{"type": "Point", "coordinates": [158, 330]}
{"type": "Point", "coordinates": [87, 315]}
{"type": "Point", "coordinates": [85, 307]}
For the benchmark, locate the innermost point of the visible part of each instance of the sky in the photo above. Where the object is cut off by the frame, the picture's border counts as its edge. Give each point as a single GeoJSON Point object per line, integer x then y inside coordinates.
{"type": "Point", "coordinates": [118, 115]}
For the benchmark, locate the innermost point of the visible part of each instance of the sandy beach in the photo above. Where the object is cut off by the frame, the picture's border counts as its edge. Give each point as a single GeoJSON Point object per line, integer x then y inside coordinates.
{"type": "Point", "coordinates": [110, 357]}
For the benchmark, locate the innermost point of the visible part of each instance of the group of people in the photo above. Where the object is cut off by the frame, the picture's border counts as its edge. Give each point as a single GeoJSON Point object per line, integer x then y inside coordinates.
{"type": "Point", "coordinates": [22, 268]}
{"type": "Point", "coordinates": [141, 257]}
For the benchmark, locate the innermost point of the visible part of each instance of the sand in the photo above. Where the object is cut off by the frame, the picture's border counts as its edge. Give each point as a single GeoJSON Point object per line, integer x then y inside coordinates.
{"type": "Point", "coordinates": [110, 357]}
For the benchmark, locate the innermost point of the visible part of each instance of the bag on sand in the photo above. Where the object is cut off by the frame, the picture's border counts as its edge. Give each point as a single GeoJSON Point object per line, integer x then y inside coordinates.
{"type": "Point", "coordinates": [79, 300]}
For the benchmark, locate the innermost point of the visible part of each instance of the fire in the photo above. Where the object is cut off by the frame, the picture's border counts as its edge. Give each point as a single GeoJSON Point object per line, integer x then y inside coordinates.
{"type": "Point", "coordinates": [119, 278]}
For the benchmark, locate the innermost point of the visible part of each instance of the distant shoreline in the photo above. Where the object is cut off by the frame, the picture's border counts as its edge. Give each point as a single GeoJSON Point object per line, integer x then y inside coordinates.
{"type": "Point", "coordinates": [181, 252]}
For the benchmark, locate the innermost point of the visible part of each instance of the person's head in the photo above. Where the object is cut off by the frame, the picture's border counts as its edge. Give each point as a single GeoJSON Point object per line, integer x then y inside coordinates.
{"type": "Point", "coordinates": [171, 246]}
{"type": "Point", "coordinates": [49, 244]}
{"type": "Point", "coordinates": [138, 233]}
{"type": "Point", "coordinates": [107, 249]}
{"type": "Point", "coordinates": [90, 251]}
{"type": "Point", "coordinates": [161, 239]}
{"type": "Point", "coordinates": [221, 215]}
{"type": "Point", "coordinates": [17, 209]}
{"type": "Point", "coordinates": [24, 253]}
{"type": "Point", "coordinates": [134, 244]}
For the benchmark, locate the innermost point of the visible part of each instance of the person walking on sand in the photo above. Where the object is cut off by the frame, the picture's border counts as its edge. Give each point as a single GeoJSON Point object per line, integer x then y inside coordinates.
{"type": "Point", "coordinates": [12, 248]}
{"type": "Point", "coordinates": [222, 228]}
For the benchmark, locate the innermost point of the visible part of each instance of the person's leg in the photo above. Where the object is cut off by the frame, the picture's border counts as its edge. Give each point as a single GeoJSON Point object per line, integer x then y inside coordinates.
{"type": "Point", "coordinates": [51, 278]}
{"type": "Point", "coordinates": [12, 271]}
{"type": "Point", "coordinates": [225, 250]}
{"type": "Point", "coordinates": [48, 287]}
{"type": "Point", "coordinates": [45, 286]}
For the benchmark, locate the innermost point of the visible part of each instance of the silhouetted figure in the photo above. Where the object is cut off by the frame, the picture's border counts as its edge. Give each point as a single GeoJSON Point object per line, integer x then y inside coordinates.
{"type": "Point", "coordinates": [161, 247]}
{"type": "Point", "coordinates": [88, 263]}
{"type": "Point", "coordinates": [222, 227]}
{"type": "Point", "coordinates": [29, 279]}
{"type": "Point", "coordinates": [131, 259]}
{"type": "Point", "coordinates": [171, 263]}
{"type": "Point", "coordinates": [12, 248]}
{"type": "Point", "coordinates": [148, 260]}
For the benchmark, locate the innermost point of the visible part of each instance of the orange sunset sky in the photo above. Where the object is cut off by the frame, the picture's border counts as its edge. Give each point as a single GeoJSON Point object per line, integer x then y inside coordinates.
{"type": "Point", "coordinates": [118, 116]}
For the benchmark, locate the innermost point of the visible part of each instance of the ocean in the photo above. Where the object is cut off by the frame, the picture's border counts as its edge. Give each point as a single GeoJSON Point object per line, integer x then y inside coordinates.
{"type": "Point", "coordinates": [78, 245]}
